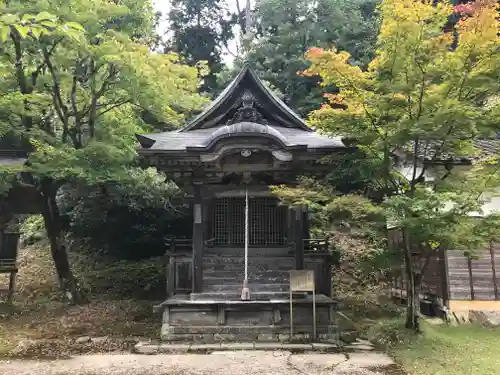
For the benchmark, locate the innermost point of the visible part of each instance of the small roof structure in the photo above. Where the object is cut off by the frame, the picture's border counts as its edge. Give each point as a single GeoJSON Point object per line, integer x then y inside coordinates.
{"type": "Point", "coordinates": [246, 108]}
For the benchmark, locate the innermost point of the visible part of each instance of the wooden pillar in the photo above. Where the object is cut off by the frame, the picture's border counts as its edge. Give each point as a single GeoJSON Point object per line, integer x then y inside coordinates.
{"type": "Point", "coordinates": [12, 286]}
{"type": "Point", "coordinates": [444, 275]}
{"type": "Point", "coordinates": [290, 220]}
{"type": "Point", "coordinates": [208, 214]}
{"type": "Point", "coordinates": [471, 279]}
{"type": "Point", "coordinates": [305, 223]}
{"type": "Point", "coordinates": [494, 272]}
{"type": "Point", "coordinates": [198, 240]}
{"type": "Point", "coordinates": [298, 233]}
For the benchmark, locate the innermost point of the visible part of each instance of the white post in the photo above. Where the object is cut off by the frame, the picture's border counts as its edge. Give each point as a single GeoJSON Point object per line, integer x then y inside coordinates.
{"type": "Point", "coordinates": [245, 291]}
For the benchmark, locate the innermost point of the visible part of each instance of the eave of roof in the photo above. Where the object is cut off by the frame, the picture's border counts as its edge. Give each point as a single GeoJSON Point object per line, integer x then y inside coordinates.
{"type": "Point", "coordinates": [486, 148]}
{"type": "Point", "coordinates": [201, 139]}
{"type": "Point", "coordinates": [13, 157]}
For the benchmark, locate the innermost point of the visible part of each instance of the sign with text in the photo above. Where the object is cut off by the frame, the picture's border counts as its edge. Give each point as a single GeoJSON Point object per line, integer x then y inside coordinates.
{"type": "Point", "coordinates": [302, 281]}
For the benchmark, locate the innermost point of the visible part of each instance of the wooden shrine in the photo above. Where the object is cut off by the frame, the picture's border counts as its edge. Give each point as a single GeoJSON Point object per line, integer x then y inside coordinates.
{"type": "Point", "coordinates": [246, 140]}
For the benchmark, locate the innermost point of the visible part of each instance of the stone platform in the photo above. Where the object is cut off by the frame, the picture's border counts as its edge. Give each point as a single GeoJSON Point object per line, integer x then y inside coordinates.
{"type": "Point", "coordinates": [203, 320]}
{"type": "Point", "coordinates": [176, 348]}
{"type": "Point", "coordinates": [151, 348]}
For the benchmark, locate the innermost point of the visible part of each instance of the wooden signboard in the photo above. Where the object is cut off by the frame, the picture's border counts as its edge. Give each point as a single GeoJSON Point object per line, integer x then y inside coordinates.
{"type": "Point", "coordinates": [302, 281]}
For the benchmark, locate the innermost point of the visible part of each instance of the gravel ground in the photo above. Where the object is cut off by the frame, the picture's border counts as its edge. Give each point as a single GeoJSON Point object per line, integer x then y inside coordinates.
{"type": "Point", "coordinates": [220, 363]}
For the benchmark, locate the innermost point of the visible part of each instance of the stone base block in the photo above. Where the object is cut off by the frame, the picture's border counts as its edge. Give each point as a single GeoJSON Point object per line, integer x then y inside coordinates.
{"type": "Point", "coordinates": [214, 322]}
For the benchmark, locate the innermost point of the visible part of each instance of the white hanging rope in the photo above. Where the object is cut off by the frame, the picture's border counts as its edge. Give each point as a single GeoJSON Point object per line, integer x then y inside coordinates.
{"type": "Point", "coordinates": [246, 234]}
{"type": "Point", "coordinates": [245, 291]}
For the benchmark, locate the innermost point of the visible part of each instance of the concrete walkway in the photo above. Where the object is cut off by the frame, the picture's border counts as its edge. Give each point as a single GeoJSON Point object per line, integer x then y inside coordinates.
{"type": "Point", "coordinates": [220, 363]}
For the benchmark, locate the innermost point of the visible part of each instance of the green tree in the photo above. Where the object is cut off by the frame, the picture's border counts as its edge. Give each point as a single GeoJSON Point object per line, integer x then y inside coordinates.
{"type": "Point", "coordinates": [73, 84]}
{"type": "Point", "coordinates": [201, 31]}
{"type": "Point", "coordinates": [285, 29]}
{"type": "Point", "coordinates": [421, 98]}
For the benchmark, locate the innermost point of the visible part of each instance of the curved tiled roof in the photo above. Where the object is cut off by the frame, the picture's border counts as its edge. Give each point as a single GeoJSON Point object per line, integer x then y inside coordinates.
{"type": "Point", "coordinates": [177, 141]}
{"type": "Point", "coordinates": [230, 116]}
{"type": "Point", "coordinates": [244, 129]}
{"type": "Point", "coordinates": [248, 77]}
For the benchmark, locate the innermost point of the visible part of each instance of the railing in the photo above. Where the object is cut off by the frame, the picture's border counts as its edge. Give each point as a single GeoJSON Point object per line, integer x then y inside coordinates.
{"type": "Point", "coordinates": [179, 271]}
{"type": "Point", "coordinates": [210, 243]}
{"type": "Point", "coordinates": [8, 259]}
{"type": "Point", "coordinates": [315, 246]}
{"type": "Point", "coordinates": [7, 265]}
{"type": "Point", "coordinates": [317, 257]}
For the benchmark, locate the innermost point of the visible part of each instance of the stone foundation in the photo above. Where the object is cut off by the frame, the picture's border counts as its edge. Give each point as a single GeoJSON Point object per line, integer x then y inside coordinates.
{"type": "Point", "coordinates": [249, 321]}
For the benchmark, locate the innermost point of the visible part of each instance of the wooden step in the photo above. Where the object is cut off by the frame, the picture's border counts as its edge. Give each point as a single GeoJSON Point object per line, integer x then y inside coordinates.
{"type": "Point", "coordinates": [229, 263]}
{"type": "Point", "coordinates": [266, 252]}
{"type": "Point", "coordinates": [228, 276]}
{"type": "Point", "coordinates": [255, 286]}
{"type": "Point", "coordinates": [252, 274]}
{"type": "Point", "coordinates": [238, 259]}
{"type": "Point", "coordinates": [214, 280]}
{"type": "Point", "coordinates": [236, 295]}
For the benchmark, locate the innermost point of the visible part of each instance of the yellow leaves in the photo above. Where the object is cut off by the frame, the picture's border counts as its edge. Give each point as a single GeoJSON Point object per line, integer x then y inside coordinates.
{"type": "Point", "coordinates": [478, 32]}
{"type": "Point", "coordinates": [408, 12]}
{"type": "Point", "coordinates": [334, 68]}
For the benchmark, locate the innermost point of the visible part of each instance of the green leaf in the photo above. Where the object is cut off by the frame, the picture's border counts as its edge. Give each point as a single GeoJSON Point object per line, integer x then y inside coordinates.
{"type": "Point", "coordinates": [22, 30]}
{"type": "Point", "coordinates": [28, 17]}
{"type": "Point", "coordinates": [36, 31]}
{"type": "Point", "coordinates": [4, 33]}
{"type": "Point", "coordinates": [75, 26]}
{"type": "Point", "coordinates": [48, 23]}
{"type": "Point", "coordinates": [71, 33]}
{"type": "Point", "coordinates": [9, 18]}
{"type": "Point", "coordinates": [45, 16]}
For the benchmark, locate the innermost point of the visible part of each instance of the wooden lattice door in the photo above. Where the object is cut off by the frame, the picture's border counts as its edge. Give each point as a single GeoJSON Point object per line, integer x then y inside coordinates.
{"type": "Point", "coordinates": [267, 222]}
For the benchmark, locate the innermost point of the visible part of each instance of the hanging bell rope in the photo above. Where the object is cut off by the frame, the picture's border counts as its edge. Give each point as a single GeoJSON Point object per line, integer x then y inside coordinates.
{"type": "Point", "coordinates": [245, 291]}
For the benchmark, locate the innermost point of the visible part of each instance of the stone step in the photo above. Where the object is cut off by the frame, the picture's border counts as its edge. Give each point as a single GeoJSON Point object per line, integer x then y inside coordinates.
{"type": "Point", "coordinates": [272, 345]}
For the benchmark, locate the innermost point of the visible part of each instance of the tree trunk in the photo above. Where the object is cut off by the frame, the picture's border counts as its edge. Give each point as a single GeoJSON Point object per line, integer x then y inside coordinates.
{"type": "Point", "coordinates": [50, 211]}
{"type": "Point", "coordinates": [412, 286]}
{"type": "Point", "coordinates": [413, 304]}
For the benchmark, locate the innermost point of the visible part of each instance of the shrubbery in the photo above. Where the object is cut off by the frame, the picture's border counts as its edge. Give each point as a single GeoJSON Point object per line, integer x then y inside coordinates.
{"type": "Point", "coordinates": [127, 220]}
{"type": "Point", "coordinates": [141, 279]}
{"type": "Point", "coordinates": [116, 234]}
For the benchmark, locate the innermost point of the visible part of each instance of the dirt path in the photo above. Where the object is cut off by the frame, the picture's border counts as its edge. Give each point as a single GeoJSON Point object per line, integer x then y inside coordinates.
{"type": "Point", "coordinates": [221, 363]}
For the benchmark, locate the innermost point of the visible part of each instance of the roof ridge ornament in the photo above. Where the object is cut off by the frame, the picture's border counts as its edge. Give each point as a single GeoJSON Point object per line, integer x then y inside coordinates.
{"type": "Point", "coordinates": [247, 112]}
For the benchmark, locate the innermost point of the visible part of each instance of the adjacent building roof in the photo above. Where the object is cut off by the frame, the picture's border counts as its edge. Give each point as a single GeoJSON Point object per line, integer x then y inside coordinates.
{"type": "Point", "coordinates": [432, 152]}
{"type": "Point", "coordinates": [12, 157]}
{"type": "Point", "coordinates": [246, 108]}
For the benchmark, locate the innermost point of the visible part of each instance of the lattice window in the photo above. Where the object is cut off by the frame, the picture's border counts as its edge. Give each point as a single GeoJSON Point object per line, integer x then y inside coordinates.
{"type": "Point", "coordinates": [267, 222]}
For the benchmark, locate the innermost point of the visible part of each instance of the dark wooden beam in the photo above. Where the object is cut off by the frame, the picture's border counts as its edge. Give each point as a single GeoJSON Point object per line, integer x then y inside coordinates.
{"type": "Point", "coordinates": [493, 268]}
{"type": "Point", "coordinates": [299, 240]}
{"type": "Point", "coordinates": [471, 280]}
{"type": "Point", "coordinates": [198, 240]}
{"type": "Point", "coordinates": [305, 223]}
{"type": "Point", "coordinates": [444, 275]}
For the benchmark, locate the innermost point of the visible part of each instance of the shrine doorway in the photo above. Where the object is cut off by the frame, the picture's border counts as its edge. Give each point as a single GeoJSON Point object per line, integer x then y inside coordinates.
{"type": "Point", "coordinates": [267, 222]}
